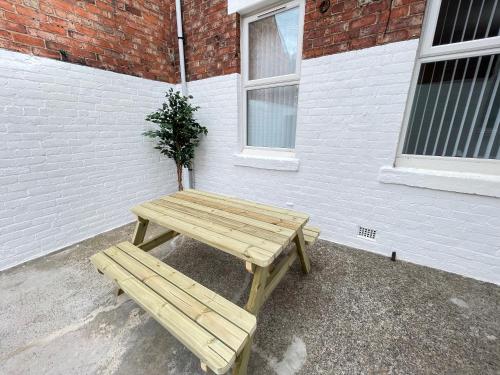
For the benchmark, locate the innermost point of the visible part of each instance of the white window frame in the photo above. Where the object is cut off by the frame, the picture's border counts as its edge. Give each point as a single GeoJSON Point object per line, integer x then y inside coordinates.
{"type": "Point", "coordinates": [284, 80]}
{"type": "Point", "coordinates": [427, 53]}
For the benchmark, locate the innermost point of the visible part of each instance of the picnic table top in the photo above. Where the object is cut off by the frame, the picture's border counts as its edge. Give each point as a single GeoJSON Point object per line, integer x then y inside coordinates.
{"type": "Point", "coordinates": [254, 232]}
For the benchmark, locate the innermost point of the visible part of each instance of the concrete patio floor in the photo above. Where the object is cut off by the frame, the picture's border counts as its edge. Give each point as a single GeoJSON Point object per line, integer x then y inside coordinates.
{"type": "Point", "coordinates": [355, 313]}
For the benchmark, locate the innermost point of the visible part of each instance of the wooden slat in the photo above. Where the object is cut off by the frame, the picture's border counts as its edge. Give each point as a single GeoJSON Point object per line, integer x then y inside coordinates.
{"type": "Point", "coordinates": [157, 240]}
{"type": "Point", "coordinates": [241, 212]}
{"type": "Point", "coordinates": [269, 217]}
{"type": "Point", "coordinates": [310, 240]}
{"type": "Point", "coordinates": [217, 325]}
{"type": "Point", "coordinates": [259, 282]}
{"type": "Point", "coordinates": [221, 229]}
{"type": "Point", "coordinates": [237, 248]}
{"type": "Point", "coordinates": [278, 238]}
{"type": "Point", "coordinates": [301, 251]}
{"type": "Point", "coordinates": [311, 234]}
{"type": "Point", "coordinates": [312, 229]}
{"type": "Point", "coordinates": [239, 205]}
{"type": "Point", "coordinates": [279, 272]}
{"type": "Point", "coordinates": [140, 230]}
{"type": "Point", "coordinates": [229, 310]}
{"type": "Point", "coordinates": [203, 344]}
{"type": "Point", "coordinates": [241, 364]}
{"type": "Point", "coordinates": [251, 204]}
{"type": "Point", "coordinates": [250, 267]}
{"type": "Point", "coordinates": [228, 215]}
{"type": "Point", "coordinates": [203, 366]}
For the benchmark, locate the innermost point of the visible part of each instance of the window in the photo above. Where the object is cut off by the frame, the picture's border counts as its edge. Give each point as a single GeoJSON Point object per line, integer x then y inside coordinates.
{"type": "Point", "coordinates": [452, 118]}
{"type": "Point", "coordinates": [271, 55]}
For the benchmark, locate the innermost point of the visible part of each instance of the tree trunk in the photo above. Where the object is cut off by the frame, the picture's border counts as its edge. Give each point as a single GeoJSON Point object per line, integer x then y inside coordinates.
{"type": "Point", "coordinates": [179, 177]}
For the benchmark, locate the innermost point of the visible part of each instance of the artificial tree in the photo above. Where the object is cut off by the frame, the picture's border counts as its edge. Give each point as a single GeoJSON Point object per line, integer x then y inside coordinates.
{"type": "Point", "coordinates": [178, 132]}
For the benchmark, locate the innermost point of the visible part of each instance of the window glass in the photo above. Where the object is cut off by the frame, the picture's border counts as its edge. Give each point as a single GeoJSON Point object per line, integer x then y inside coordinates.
{"type": "Point", "coordinates": [273, 44]}
{"type": "Point", "coordinates": [456, 109]}
{"type": "Point", "coordinates": [272, 116]}
{"type": "Point", "coordinates": [464, 20]}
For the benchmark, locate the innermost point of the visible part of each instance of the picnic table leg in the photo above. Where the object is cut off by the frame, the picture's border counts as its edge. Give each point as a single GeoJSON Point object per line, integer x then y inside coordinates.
{"type": "Point", "coordinates": [241, 363]}
{"type": "Point", "coordinates": [255, 301]}
{"type": "Point", "coordinates": [140, 230]}
{"type": "Point", "coordinates": [259, 283]}
{"type": "Point", "coordinates": [137, 238]}
{"type": "Point", "coordinates": [301, 250]}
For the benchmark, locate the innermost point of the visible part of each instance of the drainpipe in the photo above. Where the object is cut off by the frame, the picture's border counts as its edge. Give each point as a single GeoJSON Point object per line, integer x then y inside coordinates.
{"type": "Point", "coordinates": [189, 172]}
{"type": "Point", "coordinates": [180, 38]}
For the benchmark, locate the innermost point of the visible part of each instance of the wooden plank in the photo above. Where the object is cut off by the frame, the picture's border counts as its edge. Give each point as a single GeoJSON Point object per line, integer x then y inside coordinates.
{"type": "Point", "coordinates": [250, 267]}
{"type": "Point", "coordinates": [309, 239]}
{"type": "Point", "coordinates": [241, 212]}
{"type": "Point", "coordinates": [203, 366]}
{"type": "Point", "coordinates": [241, 363]}
{"type": "Point", "coordinates": [226, 331]}
{"type": "Point", "coordinates": [140, 230]}
{"type": "Point", "coordinates": [157, 240]}
{"type": "Point", "coordinates": [251, 203]}
{"type": "Point", "coordinates": [267, 234]}
{"type": "Point", "coordinates": [289, 216]}
{"type": "Point", "coordinates": [203, 344]}
{"type": "Point", "coordinates": [311, 234]}
{"type": "Point", "coordinates": [237, 248]}
{"type": "Point", "coordinates": [229, 310]}
{"type": "Point", "coordinates": [279, 272]}
{"type": "Point", "coordinates": [237, 218]}
{"type": "Point", "coordinates": [259, 282]}
{"type": "Point", "coordinates": [221, 229]}
{"type": "Point", "coordinates": [312, 229]}
{"type": "Point", "coordinates": [301, 250]}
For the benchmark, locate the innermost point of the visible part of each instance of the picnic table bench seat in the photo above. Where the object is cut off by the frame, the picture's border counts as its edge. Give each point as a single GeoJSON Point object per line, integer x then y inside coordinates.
{"type": "Point", "coordinates": [213, 328]}
{"type": "Point", "coordinates": [311, 234]}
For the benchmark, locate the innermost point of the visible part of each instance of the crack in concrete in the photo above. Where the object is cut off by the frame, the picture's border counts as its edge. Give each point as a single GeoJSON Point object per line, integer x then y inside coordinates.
{"type": "Point", "coordinates": [61, 332]}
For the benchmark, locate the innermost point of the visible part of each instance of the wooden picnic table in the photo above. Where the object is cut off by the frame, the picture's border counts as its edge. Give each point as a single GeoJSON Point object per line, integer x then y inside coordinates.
{"type": "Point", "coordinates": [253, 232]}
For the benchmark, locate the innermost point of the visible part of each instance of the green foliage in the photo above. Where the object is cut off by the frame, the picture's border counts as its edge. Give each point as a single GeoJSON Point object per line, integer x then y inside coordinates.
{"type": "Point", "coordinates": [178, 133]}
{"type": "Point", "coordinates": [64, 55]}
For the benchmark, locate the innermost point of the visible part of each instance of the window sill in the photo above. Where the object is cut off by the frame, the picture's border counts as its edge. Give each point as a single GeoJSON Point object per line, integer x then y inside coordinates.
{"type": "Point", "coordinates": [266, 162]}
{"type": "Point", "coordinates": [459, 182]}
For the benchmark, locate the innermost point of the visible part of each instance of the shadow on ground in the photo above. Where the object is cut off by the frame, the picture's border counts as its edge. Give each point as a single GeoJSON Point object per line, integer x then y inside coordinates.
{"type": "Point", "coordinates": [356, 312]}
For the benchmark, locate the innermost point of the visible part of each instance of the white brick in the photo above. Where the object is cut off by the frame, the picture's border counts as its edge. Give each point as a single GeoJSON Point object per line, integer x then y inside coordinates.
{"type": "Point", "coordinates": [72, 162]}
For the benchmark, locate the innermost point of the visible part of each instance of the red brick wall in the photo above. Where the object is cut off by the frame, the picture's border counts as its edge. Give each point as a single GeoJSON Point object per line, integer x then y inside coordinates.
{"type": "Point", "coordinates": [347, 26]}
{"type": "Point", "coordinates": [132, 37]}
{"type": "Point", "coordinates": [212, 36]}
{"type": "Point", "coordinates": [138, 37]}
{"type": "Point", "coordinates": [211, 39]}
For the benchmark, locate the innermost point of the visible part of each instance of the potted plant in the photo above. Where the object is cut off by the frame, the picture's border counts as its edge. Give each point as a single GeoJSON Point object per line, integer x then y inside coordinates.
{"type": "Point", "coordinates": [178, 132]}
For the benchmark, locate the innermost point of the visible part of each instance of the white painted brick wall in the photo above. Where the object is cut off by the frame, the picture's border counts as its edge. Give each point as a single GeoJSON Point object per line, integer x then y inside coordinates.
{"type": "Point", "coordinates": [350, 112]}
{"type": "Point", "coordinates": [72, 157]}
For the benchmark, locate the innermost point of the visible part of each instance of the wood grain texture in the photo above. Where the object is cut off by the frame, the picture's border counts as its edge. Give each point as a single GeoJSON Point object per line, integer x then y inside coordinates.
{"type": "Point", "coordinates": [254, 232]}
{"type": "Point", "coordinates": [214, 329]}
{"type": "Point", "coordinates": [230, 245]}
{"type": "Point", "coordinates": [157, 240]}
{"type": "Point", "coordinates": [250, 203]}
{"type": "Point", "coordinates": [300, 244]}
{"type": "Point", "coordinates": [311, 234]}
{"type": "Point", "coordinates": [251, 231]}
{"type": "Point", "coordinates": [140, 230]}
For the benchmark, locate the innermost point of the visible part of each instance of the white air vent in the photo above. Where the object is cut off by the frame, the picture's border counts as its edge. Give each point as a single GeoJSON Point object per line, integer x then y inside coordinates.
{"type": "Point", "coordinates": [367, 233]}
